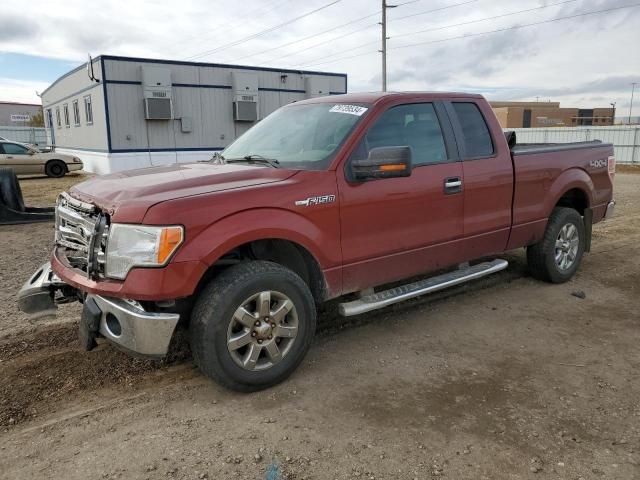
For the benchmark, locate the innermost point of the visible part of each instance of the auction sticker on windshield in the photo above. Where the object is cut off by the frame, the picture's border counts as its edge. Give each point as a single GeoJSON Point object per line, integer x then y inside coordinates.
{"type": "Point", "coordinates": [351, 109]}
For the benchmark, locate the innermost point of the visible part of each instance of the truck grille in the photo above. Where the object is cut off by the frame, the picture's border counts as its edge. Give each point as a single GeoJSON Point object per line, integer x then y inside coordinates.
{"type": "Point", "coordinates": [81, 232]}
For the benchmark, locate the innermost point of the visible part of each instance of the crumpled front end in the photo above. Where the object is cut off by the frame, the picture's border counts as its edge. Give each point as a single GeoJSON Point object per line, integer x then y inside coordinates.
{"type": "Point", "coordinates": [77, 274]}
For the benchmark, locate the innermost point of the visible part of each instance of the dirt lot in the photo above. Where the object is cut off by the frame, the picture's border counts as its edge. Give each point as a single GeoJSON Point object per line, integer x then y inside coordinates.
{"type": "Point", "coordinates": [506, 378]}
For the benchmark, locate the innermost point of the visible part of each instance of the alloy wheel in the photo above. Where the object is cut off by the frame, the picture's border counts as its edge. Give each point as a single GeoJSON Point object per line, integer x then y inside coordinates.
{"type": "Point", "coordinates": [262, 331]}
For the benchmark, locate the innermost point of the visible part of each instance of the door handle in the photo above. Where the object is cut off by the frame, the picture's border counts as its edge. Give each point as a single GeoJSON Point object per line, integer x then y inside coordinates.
{"type": "Point", "coordinates": [452, 185]}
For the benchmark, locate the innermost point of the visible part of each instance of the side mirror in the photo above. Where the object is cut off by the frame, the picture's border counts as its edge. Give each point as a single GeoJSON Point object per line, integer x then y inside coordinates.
{"type": "Point", "coordinates": [383, 162]}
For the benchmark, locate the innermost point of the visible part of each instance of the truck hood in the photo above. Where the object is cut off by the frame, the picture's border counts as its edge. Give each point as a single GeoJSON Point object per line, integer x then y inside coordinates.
{"type": "Point", "coordinates": [126, 196]}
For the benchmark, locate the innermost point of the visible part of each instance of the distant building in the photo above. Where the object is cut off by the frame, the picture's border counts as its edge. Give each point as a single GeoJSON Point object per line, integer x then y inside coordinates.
{"type": "Point", "coordinates": [549, 114]}
{"type": "Point", "coordinates": [15, 114]}
{"type": "Point", "coordinates": [123, 113]}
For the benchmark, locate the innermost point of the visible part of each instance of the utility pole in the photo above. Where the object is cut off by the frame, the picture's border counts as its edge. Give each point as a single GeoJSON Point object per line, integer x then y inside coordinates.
{"type": "Point", "coordinates": [613, 113]}
{"type": "Point", "coordinates": [633, 87]}
{"type": "Point", "coordinates": [384, 43]}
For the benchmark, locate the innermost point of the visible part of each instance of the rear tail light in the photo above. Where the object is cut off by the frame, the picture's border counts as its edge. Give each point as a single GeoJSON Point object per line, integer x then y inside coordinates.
{"type": "Point", "coordinates": [611, 166]}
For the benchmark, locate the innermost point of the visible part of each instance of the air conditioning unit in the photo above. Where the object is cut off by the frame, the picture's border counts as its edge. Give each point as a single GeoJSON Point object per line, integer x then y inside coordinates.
{"type": "Point", "coordinates": [245, 96]}
{"type": "Point", "coordinates": [245, 110]}
{"type": "Point", "coordinates": [156, 90]}
{"type": "Point", "coordinates": [158, 109]}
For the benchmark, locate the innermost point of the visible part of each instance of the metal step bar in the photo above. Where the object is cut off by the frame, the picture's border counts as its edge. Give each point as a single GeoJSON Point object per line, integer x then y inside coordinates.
{"type": "Point", "coordinates": [385, 298]}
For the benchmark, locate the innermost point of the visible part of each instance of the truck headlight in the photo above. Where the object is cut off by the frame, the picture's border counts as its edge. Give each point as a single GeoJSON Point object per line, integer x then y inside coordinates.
{"type": "Point", "coordinates": [139, 246]}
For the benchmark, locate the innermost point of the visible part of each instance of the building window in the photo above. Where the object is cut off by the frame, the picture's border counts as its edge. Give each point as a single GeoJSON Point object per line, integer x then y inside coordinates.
{"type": "Point", "coordinates": [88, 110]}
{"type": "Point", "coordinates": [65, 109]}
{"type": "Point", "coordinates": [58, 117]}
{"type": "Point", "coordinates": [48, 119]}
{"type": "Point", "coordinates": [76, 113]}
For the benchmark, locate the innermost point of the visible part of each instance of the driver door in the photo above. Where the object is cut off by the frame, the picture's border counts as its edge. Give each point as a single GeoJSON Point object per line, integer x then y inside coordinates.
{"type": "Point", "coordinates": [395, 228]}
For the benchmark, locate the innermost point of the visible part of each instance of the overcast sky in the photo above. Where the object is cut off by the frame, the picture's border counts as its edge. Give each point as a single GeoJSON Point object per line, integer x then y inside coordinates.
{"type": "Point", "coordinates": [582, 61]}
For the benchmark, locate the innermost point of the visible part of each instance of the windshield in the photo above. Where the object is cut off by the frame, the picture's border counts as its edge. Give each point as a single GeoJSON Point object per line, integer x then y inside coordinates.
{"type": "Point", "coordinates": [299, 136]}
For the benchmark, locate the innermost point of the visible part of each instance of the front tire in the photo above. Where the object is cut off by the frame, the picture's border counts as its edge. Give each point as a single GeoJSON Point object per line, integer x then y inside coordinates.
{"type": "Point", "coordinates": [55, 169]}
{"type": "Point", "coordinates": [252, 325]}
{"type": "Point", "coordinates": [557, 256]}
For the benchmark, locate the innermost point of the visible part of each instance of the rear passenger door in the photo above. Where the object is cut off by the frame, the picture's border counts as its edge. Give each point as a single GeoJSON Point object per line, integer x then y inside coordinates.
{"type": "Point", "coordinates": [398, 227]}
{"type": "Point", "coordinates": [488, 178]}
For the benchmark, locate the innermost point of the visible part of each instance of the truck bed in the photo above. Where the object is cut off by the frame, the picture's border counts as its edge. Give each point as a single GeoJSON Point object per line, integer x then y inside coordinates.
{"type": "Point", "coordinates": [535, 148]}
{"type": "Point", "coordinates": [545, 171]}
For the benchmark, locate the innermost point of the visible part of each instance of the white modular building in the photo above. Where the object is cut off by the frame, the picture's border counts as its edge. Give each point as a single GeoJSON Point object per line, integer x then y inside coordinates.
{"type": "Point", "coordinates": [119, 113]}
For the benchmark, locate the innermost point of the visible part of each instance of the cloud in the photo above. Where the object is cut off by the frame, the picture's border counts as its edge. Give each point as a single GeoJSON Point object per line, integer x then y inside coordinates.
{"type": "Point", "coordinates": [482, 57]}
{"type": "Point", "coordinates": [570, 60]}
{"type": "Point", "coordinates": [14, 27]}
{"type": "Point", "coordinates": [20, 91]}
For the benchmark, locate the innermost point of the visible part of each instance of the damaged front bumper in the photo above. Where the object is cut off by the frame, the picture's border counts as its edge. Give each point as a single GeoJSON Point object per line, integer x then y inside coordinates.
{"type": "Point", "coordinates": [129, 326]}
{"type": "Point", "coordinates": [36, 297]}
{"type": "Point", "coordinates": [122, 322]}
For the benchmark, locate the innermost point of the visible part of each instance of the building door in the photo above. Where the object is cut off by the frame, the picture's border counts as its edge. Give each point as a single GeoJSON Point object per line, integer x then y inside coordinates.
{"type": "Point", "coordinates": [51, 129]}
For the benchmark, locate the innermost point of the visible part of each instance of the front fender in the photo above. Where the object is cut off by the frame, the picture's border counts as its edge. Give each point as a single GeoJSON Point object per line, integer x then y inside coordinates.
{"type": "Point", "coordinates": [320, 239]}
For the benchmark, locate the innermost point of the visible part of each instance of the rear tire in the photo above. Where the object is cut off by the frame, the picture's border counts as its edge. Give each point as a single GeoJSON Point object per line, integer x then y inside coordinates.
{"type": "Point", "coordinates": [55, 168]}
{"type": "Point", "coordinates": [231, 341]}
{"type": "Point", "coordinates": [557, 256]}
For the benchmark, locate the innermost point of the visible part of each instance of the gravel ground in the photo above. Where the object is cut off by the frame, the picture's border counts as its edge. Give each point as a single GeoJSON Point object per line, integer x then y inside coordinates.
{"type": "Point", "coordinates": [505, 378]}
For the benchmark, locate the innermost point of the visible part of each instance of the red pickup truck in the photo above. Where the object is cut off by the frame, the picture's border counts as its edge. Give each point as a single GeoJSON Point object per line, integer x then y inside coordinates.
{"type": "Point", "coordinates": [328, 197]}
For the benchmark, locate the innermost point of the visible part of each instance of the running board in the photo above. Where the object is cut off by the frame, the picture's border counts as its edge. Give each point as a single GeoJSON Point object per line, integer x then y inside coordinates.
{"type": "Point", "coordinates": [411, 290]}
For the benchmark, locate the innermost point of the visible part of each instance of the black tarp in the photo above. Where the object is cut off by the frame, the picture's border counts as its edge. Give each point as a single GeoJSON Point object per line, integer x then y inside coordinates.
{"type": "Point", "coordinates": [12, 207]}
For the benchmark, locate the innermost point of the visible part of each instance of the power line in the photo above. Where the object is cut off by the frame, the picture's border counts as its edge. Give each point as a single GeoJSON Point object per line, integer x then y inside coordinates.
{"type": "Point", "coordinates": [263, 32]}
{"type": "Point", "coordinates": [343, 51]}
{"type": "Point", "coordinates": [331, 40]}
{"type": "Point", "coordinates": [434, 10]}
{"type": "Point", "coordinates": [483, 19]}
{"type": "Point", "coordinates": [317, 35]}
{"type": "Point", "coordinates": [515, 27]}
{"type": "Point", "coordinates": [392, 20]}
{"type": "Point", "coordinates": [261, 12]}
{"type": "Point", "coordinates": [327, 31]}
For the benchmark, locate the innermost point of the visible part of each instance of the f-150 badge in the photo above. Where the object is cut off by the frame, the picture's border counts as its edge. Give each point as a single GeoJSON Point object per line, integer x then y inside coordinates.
{"type": "Point", "coordinates": [307, 202]}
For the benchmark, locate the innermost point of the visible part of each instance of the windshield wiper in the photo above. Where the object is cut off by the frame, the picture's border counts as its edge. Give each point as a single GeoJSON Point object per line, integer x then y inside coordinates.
{"type": "Point", "coordinates": [255, 159]}
{"type": "Point", "coordinates": [216, 158]}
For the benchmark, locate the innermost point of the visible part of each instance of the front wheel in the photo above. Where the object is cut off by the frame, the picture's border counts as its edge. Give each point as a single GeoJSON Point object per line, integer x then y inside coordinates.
{"type": "Point", "coordinates": [557, 256]}
{"type": "Point", "coordinates": [55, 169]}
{"type": "Point", "coordinates": [252, 325]}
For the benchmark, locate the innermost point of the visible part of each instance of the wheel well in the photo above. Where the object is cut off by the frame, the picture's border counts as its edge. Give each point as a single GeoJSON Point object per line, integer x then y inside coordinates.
{"type": "Point", "coordinates": [284, 252]}
{"type": "Point", "coordinates": [576, 199]}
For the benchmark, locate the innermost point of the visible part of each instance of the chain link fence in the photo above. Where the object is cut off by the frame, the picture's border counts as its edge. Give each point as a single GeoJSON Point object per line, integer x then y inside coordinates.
{"type": "Point", "coordinates": [32, 135]}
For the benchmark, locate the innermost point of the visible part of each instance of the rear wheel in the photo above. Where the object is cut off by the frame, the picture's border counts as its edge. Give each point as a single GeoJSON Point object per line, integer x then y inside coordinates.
{"type": "Point", "coordinates": [252, 325]}
{"type": "Point", "coordinates": [55, 168]}
{"type": "Point", "coordinates": [557, 256]}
